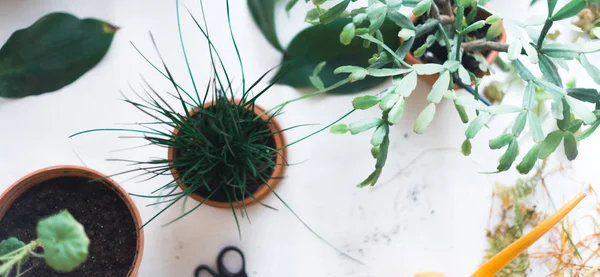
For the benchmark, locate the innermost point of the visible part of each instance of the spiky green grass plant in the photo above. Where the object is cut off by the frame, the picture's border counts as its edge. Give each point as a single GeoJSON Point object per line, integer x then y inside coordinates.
{"type": "Point", "coordinates": [221, 145]}
{"type": "Point", "coordinates": [221, 148]}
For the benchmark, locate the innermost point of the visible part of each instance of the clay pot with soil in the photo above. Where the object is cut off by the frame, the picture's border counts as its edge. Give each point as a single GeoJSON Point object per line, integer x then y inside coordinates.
{"type": "Point", "coordinates": [107, 213]}
{"type": "Point", "coordinates": [256, 187]}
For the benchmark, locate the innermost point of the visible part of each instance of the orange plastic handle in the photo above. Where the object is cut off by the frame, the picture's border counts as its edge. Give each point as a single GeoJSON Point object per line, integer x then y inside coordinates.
{"type": "Point", "coordinates": [496, 263]}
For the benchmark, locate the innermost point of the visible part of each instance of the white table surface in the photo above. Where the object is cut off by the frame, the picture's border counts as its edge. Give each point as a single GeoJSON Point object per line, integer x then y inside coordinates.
{"type": "Point", "coordinates": [429, 212]}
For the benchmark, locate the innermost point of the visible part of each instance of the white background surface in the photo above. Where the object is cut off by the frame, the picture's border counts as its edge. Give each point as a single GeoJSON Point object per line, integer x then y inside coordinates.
{"type": "Point", "coordinates": [429, 212]}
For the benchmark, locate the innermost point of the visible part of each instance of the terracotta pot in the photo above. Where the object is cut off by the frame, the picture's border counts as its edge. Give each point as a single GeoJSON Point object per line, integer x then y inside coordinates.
{"type": "Point", "coordinates": [490, 58]}
{"type": "Point", "coordinates": [35, 178]}
{"type": "Point", "coordinates": [263, 190]}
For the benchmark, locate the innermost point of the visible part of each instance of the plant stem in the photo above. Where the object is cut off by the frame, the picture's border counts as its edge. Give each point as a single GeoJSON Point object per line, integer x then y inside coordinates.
{"type": "Point", "coordinates": [17, 256]}
{"type": "Point", "coordinates": [320, 130]}
{"type": "Point", "coordinates": [459, 27]}
{"type": "Point", "coordinates": [544, 32]}
{"type": "Point", "coordinates": [435, 12]}
{"type": "Point", "coordinates": [483, 45]}
{"type": "Point", "coordinates": [430, 25]}
{"type": "Point", "coordinates": [447, 9]}
{"type": "Point", "coordinates": [280, 106]}
{"type": "Point", "coordinates": [445, 36]}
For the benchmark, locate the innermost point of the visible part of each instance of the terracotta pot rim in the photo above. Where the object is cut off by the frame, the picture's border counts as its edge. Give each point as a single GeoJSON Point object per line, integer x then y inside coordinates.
{"type": "Point", "coordinates": [490, 58]}
{"type": "Point", "coordinates": [263, 190]}
{"type": "Point", "coordinates": [36, 177]}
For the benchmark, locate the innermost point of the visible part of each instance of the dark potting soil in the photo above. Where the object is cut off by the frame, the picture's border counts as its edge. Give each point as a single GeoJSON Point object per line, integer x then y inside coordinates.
{"type": "Point", "coordinates": [105, 217]}
{"type": "Point", "coordinates": [441, 53]}
{"type": "Point", "coordinates": [252, 183]}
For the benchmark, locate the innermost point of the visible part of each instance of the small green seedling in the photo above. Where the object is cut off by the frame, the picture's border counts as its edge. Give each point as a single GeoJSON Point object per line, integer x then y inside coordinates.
{"type": "Point", "coordinates": [62, 238]}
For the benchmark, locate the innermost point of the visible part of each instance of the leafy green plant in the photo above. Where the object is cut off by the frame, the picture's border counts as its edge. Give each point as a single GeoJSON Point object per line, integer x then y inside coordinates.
{"type": "Point", "coordinates": [449, 36]}
{"type": "Point", "coordinates": [40, 58]}
{"type": "Point", "coordinates": [62, 238]}
{"type": "Point", "coordinates": [302, 54]}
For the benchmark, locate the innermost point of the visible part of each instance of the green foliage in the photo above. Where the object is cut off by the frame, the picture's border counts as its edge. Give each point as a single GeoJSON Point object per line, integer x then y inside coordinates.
{"type": "Point", "coordinates": [439, 88]}
{"type": "Point", "coordinates": [585, 94]}
{"type": "Point", "coordinates": [396, 111]}
{"type": "Point", "coordinates": [551, 6]}
{"type": "Point", "coordinates": [333, 13]}
{"type": "Point", "coordinates": [379, 135]}
{"type": "Point", "coordinates": [422, 7]}
{"type": "Point", "coordinates": [424, 118]}
{"type": "Point", "coordinates": [464, 3]}
{"type": "Point", "coordinates": [339, 129]}
{"type": "Point", "coordinates": [570, 144]}
{"type": "Point", "coordinates": [348, 34]}
{"type": "Point", "coordinates": [525, 74]}
{"type": "Point", "coordinates": [370, 50]}
{"type": "Point", "coordinates": [473, 27]}
{"type": "Point", "coordinates": [569, 10]}
{"type": "Point", "coordinates": [519, 123]}
{"type": "Point", "coordinates": [561, 50]}
{"type": "Point", "coordinates": [495, 30]}
{"type": "Point", "coordinates": [364, 125]}
{"type": "Point", "coordinates": [591, 69]}
{"type": "Point", "coordinates": [40, 58]}
{"type": "Point", "coordinates": [365, 102]}
{"type": "Point", "coordinates": [290, 4]}
{"type": "Point", "coordinates": [389, 101]}
{"type": "Point", "coordinates": [529, 160]}
{"type": "Point", "coordinates": [550, 143]}
{"type": "Point", "coordinates": [263, 14]}
{"type": "Point", "coordinates": [476, 125]}
{"type": "Point", "coordinates": [501, 141]}
{"type": "Point", "coordinates": [62, 238]}
{"type": "Point", "coordinates": [549, 70]}
{"type": "Point", "coordinates": [466, 147]}
{"type": "Point", "coordinates": [509, 156]}
{"type": "Point", "coordinates": [322, 43]}
{"type": "Point", "coordinates": [9, 245]}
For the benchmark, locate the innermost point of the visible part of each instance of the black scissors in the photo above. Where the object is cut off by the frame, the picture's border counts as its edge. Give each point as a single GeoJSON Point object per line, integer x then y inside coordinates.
{"type": "Point", "coordinates": [222, 271]}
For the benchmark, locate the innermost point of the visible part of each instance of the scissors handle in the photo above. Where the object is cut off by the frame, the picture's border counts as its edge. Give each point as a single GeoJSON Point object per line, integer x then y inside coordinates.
{"type": "Point", "coordinates": [201, 268]}
{"type": "Point", "coordinates": [221, 265]}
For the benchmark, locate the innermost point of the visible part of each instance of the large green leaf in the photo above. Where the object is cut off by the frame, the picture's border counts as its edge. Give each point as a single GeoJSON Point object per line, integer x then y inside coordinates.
{"type": "Point", "coordinates": [321, 43]}
{"type": "Point", "coordinates": [263, 13]}
{"type": "Point", "coordinates": [52, 53]}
